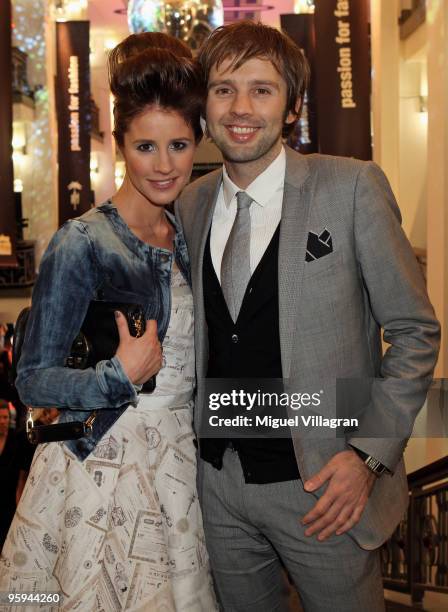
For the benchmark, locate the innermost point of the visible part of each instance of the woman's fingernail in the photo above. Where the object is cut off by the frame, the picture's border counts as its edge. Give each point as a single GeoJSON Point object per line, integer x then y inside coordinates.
{"type": "Point", "coordinates": [117, 314]}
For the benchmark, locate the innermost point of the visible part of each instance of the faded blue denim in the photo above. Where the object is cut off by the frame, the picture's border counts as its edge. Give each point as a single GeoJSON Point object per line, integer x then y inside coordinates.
{"type": "Point", "coordinates": [95, 256]}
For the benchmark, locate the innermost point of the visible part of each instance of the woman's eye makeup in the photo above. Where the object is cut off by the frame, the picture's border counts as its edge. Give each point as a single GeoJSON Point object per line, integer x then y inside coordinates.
{"type": "Point", "coordinates": [145, 147]}
{"type": "Point", "coordinates": [179, 145]}
{"type": "Point", "coordinates": [175, 145]}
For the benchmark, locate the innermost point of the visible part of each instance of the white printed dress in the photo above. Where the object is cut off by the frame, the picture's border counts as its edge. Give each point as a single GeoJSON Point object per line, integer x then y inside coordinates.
{"type": "Point", "coordinates": [121, 530]}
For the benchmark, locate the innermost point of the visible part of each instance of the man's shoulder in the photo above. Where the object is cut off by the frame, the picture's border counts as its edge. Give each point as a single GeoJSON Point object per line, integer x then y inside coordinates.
{"type": "Point", "coordinates": [327, 171]}
{"type": "Point", "coordinates": [335, 163]}
{"type": "Point", "coordinates": [195, 196]}
{"type": "Point", "coordinates": [205, 184]}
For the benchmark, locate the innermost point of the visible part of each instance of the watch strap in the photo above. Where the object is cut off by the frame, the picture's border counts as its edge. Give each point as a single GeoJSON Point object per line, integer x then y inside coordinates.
{"type": "Point", "coordinates": [374, 465]}
{"type": "Point", "coordinates": [371, 462]}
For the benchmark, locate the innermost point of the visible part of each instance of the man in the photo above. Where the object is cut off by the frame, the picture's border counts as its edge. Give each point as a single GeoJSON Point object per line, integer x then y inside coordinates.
{"type": "Point", "coordinates": [297, 262]}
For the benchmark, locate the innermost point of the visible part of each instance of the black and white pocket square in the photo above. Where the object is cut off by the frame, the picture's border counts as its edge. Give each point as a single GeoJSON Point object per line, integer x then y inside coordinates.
{"type": "Point", "coordinates": [318, 245]}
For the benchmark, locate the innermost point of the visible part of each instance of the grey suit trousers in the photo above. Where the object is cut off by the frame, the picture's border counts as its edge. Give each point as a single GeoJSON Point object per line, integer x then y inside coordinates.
{"type": "Point", "coordinates": [252, 529]}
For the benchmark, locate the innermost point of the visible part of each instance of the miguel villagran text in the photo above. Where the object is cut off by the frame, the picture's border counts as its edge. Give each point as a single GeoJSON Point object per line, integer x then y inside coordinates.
{"type": "Point", "coordinates": [275, 423]}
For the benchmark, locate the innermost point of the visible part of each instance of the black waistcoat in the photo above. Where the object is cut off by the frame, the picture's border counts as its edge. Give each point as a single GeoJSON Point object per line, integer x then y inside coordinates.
{"type": "Point", "coordinates": [249, 348]}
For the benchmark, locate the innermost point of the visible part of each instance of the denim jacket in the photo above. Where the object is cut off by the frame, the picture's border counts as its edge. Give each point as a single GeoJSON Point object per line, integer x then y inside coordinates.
{"type": "Point", "coordinates": [95, 256]}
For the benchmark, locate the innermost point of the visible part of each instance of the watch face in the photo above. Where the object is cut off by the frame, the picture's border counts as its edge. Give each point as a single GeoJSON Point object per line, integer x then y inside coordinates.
{"type": "Point", "coordinates": [374, 465]}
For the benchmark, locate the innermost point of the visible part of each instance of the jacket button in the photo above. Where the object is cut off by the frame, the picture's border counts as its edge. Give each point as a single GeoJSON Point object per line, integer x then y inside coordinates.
{"type": "Point", "coordinates": [234, 338]}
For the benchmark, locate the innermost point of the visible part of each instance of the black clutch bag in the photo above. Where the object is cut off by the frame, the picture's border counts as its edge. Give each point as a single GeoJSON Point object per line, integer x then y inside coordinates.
{"type": "Point", "coordinates": [97, 340]}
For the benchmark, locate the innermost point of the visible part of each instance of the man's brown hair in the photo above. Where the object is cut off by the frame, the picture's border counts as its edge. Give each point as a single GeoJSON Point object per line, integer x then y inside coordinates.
{"type": "Point", "coordinates": [245, 40]}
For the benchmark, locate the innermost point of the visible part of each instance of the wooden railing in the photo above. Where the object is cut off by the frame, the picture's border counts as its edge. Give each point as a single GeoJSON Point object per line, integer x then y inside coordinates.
{"type": "Point", "coordinates": [415, 559]}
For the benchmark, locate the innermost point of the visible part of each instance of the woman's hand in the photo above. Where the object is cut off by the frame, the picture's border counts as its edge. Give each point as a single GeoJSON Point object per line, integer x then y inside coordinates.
{"type": "Point", "coordinates": [141, 357]}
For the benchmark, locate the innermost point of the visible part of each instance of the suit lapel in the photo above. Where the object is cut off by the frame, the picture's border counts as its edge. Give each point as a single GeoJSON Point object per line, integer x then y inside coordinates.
{"type": "Point", "coordinates": [292, 249]}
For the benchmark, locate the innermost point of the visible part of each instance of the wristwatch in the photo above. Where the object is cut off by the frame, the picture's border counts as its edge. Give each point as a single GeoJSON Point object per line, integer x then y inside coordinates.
{"type": "Point", "coordinates": [373, 464]}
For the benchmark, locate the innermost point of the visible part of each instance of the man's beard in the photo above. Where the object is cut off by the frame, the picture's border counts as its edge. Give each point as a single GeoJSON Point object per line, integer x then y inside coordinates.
{"type": "Point", "coordinates": [246, 153]}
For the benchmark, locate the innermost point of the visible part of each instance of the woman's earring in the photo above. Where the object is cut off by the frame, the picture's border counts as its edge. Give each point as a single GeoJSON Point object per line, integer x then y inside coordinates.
{"type": "Point", "coordinates": [204, 127]}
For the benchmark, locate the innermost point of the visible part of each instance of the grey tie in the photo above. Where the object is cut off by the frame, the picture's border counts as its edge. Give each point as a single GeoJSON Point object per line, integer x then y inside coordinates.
{"type": "Point", "coordinates": [235, 265]}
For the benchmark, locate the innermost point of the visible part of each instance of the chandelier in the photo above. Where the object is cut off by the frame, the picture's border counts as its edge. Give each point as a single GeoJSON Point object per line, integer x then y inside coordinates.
{"type": "Point", "coordinates": [190, 20]}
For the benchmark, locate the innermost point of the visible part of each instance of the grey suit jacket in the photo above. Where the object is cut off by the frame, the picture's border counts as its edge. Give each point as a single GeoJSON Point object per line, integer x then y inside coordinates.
{"type": "Point", "coordinates": [332, 310]}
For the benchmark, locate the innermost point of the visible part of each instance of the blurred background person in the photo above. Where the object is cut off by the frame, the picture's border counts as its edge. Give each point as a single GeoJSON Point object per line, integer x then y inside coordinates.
{"type": "Point", "coordinates": [16, 455]}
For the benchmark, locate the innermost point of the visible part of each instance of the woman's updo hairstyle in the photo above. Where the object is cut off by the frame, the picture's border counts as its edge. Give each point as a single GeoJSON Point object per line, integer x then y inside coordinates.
{"type": "Point", "coordinates": [152, 68]}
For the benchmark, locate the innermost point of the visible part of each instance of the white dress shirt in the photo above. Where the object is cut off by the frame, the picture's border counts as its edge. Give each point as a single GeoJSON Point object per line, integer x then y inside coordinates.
{"type": "Point", "coordinates": [266, 192]}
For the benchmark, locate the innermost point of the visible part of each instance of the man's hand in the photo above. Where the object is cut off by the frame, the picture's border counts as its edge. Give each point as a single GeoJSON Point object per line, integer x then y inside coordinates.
{"type": "Point", "coordinates": [350, 483]}
{"type": "Point", "coordinates": [141, 357]}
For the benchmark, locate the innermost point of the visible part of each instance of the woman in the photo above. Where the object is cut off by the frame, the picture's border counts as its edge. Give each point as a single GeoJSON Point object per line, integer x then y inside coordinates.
{"type": "Point", "coordinates": [112, 521]}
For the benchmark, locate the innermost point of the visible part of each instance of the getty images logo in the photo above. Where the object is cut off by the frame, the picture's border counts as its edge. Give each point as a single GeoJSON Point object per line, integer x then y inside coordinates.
{"type": "Point", "coordinates": [238, 398]}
